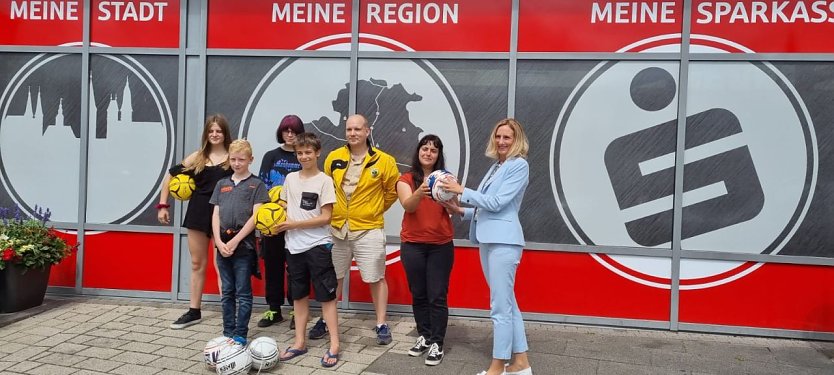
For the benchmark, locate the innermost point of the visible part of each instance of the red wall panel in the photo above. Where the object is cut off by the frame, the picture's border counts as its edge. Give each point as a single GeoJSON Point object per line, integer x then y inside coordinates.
{"type": "Point", "coordinates": [41, 23]}
{"type": "Point", "coordinates": [258, 24]}
{"type": "Point", "coordinates": [460, 25]}
{"type": "Point", "coordinates": [571, 25]}
{"type": "Point", "coordinates": [136, 23]}
{"type": "Point", "coordinates": [777, 26]}
{"type": "Point", "coordinates": [63, 274]}
{"type": "Point", "coordinates": [784, 296]}
{"type": "Point", "coordinates": [546, 282]}
{"type": "Point", "coordinates": [128, 261]}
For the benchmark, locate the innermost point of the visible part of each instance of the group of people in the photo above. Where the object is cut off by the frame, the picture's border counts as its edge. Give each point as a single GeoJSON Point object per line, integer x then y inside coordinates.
{"type": "Point", "coordinates": [335, 215]}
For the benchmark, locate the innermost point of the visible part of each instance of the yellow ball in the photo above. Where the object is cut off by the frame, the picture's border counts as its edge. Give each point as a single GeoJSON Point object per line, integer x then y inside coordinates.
{"type": "Point", "coordinates": [182, 186]}
{"type": "Point", "coordinates": [268, 217]}
{"type": "Point", "coordinates": [275, 193]}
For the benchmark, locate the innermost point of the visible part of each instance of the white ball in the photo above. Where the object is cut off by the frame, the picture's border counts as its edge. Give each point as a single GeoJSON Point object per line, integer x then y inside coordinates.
{"type": "Point", "coordinates": [437, 193]}
{"type": "Point", "coordinates": [264, 353]}
{"type": "Point", "coordinates": [212, 350]}
{"type": "Point", "coordinates": [232, 360]}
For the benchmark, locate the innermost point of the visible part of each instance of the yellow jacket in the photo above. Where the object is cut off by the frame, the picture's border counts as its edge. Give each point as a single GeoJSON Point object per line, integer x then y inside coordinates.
{"type": "Point", "coordinates": [374, 194]}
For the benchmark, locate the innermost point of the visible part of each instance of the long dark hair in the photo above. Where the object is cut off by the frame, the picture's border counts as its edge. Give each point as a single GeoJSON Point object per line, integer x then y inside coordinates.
{"type": "Point", "coordinates": [205, 149]}
{"type": "Point", "coordinates": [417, 168]}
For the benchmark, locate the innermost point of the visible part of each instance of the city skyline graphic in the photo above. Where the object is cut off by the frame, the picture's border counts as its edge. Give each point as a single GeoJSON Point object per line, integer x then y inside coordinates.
{"type": "Point", "coordinates": [41, 153]}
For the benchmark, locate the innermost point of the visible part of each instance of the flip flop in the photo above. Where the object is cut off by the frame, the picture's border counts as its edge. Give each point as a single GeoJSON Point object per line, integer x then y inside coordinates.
{"type": "Point", "coordinates": [327, 356]}
{"type": "Point", "coordinates": [293, 353]}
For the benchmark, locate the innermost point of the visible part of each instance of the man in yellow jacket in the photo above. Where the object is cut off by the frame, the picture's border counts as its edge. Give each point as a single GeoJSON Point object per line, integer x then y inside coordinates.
{"type": "Point", "coordinates": [365, 179]}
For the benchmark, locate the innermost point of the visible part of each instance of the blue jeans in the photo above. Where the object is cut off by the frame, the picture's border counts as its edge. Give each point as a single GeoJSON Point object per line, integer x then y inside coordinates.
{"type": "Point", "coordinates": [235, 278]}
{"type": "Point", "coordinates": [499, 263]}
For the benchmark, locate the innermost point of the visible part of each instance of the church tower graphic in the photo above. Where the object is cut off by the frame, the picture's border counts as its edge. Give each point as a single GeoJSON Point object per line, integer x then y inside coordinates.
{"type": "Point", "coordinates": [41, 158]}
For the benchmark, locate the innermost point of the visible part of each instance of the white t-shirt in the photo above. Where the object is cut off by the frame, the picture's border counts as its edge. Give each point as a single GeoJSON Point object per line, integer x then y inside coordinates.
{"type": "Point", "coordinates": [304, 200]}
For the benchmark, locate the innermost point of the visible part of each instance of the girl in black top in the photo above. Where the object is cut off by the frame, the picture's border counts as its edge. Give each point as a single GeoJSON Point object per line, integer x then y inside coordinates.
{"type": "Point", "coordinates": [207, 166]}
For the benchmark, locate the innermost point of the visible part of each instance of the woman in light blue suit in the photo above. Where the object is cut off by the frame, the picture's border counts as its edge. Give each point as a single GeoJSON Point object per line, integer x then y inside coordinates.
{"type": "Point", "coordinates": [496, 229]}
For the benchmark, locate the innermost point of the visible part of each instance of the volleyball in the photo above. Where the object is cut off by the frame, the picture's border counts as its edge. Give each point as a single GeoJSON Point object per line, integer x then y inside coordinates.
{"type": "Point", "coordinates": [181, 186]}
{"type": "Point", "coordinates": [275, 193]}
{"type": "Point", "coordinates": [268, 216]}
{"type": "Point", "coordinates": [212, 350]}
{"type": "Point", "coordinates": [437, 193]}
{"type": "Point", "coordinates": [264, 353]}
{"type": "Point", "coordinates": [232, 360]}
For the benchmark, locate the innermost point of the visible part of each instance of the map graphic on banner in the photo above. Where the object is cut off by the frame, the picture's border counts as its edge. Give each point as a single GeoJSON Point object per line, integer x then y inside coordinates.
{"type": "Point", "coordinates": [402, 101]}
{"type": "Point", "coordinates": [384, 116]}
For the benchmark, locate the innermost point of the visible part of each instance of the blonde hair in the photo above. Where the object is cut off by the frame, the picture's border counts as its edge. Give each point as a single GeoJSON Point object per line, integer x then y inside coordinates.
{"type": "Point", "coordinates": [241, 145]}
{"type": "Point", "coordinates": [520, 145]}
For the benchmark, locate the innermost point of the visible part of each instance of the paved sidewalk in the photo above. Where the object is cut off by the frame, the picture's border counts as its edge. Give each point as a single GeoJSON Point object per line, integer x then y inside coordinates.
{"type": "Point", "coordinates": [125, 336]}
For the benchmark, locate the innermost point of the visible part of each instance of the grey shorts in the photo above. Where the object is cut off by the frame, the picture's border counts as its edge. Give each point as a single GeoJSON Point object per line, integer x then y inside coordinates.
{"type": "Point", "coordinates": [369, 252]}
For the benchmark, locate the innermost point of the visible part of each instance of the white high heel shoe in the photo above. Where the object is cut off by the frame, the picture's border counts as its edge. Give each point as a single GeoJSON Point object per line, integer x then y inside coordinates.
{"type": "Point", "coordinates": [527, 371]}
{"type": "Point", "coordinates": [503, 373]}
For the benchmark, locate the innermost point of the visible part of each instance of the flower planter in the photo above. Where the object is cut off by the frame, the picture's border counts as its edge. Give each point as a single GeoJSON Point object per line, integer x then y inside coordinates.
{"type": "Point", "coordinates": [22, 288]}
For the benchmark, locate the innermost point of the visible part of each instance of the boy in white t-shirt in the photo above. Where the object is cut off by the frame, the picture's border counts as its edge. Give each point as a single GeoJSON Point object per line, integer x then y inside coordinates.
{"type": "Point", "coordinates": [309, 195]}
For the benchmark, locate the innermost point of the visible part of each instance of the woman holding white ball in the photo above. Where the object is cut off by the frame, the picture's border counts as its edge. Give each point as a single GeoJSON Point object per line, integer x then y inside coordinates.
{"type": "Point", "coordinates": [496, 228]}
{"type": "Point", "coordinates": [427, 251]}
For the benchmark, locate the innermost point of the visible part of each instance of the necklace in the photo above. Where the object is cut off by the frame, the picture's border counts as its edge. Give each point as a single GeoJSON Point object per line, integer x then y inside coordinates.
{"type": "Point", "coordinates": [222, 159]}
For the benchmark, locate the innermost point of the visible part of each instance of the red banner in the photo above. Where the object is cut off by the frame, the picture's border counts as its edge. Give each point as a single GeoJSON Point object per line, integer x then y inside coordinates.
{"type": "Point", "coordinates": [128, 261]}
{"type": "Point", "coordinates": [802, 26]}
{"type": "Point", "coordinates": [136, 23]}
{"type": "Point", "coordinates": [63, 274]}
{"type": "Point", "coordinates": [576, 285]}
{"type": "Point", "coordinates": [41, 23]}
{"type": "Point", "coordinates": [446, 25]}
{"type": "Point", "coordinates": [256, 24]}
{"type": "Point", "coordinates": [782, 296]}
{"type": "Point", "coordinates": [593, 26]}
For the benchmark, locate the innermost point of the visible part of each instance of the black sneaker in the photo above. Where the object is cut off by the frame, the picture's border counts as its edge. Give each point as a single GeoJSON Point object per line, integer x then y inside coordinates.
{"type": "Point", "coordinates": [190, 318]}
{"type": "Point", "coordinates": [270, 317]}
{"type": "Point", "coordinates": [319, 330]}
{"type": "Point", "coordinates": [419, 347]}
{"type": "Point", "coordinates": [383, 334]}
{"type": "Point", "coordinates": [435, 355]}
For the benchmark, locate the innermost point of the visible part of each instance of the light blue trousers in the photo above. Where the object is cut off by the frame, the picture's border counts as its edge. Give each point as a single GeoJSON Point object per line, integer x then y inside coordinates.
{"type": "Point", "coordinates": [499, 263]}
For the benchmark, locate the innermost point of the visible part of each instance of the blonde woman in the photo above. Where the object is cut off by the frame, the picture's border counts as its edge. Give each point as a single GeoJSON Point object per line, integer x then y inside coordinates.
{"type": "Point", "coordinates": [495, 227]}
{"type": "Point", "coordinates": [207, 165]}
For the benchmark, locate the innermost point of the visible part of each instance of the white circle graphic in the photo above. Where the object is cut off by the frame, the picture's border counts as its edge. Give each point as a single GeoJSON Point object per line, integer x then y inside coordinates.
{"type": "Point", "coordinates": [772, 135]}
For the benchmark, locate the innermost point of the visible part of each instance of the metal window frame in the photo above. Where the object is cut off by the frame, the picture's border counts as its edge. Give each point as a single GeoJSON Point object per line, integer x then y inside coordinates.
{"type": "Point", "coordinates": [195, 47]}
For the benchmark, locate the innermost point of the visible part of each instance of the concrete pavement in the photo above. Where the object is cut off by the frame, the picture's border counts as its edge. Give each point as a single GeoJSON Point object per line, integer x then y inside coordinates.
{"type": "Point", "coordinates": [81, 335]}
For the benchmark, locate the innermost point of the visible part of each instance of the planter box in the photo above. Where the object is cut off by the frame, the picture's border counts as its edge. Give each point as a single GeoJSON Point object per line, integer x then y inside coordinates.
{"type": "Point", "coordinates": [22, 288]}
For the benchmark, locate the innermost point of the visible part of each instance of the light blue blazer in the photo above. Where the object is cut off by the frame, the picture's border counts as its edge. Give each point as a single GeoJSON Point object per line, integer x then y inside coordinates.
{"type": "Point", "coordinates": [498, 200]}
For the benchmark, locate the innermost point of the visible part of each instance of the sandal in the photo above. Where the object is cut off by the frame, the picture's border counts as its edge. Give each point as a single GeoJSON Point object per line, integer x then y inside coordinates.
{"type": "Point", "coordinates": [328, 356]}
{"type": "Point", "coordinates": [293, 353]}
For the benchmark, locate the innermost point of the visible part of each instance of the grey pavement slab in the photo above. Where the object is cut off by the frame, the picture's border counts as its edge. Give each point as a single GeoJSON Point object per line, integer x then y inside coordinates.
{"type": "Point", "coordinates": [79, 335]}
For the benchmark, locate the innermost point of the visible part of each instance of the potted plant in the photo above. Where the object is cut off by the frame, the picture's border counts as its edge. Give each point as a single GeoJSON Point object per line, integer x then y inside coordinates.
{"type": "Point", "coordinates": [28, 249]}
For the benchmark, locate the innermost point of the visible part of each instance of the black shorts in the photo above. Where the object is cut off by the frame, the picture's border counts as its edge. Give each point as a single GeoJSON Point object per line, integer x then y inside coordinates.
{"type": "Point", "coordinates": [312, 266]}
